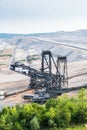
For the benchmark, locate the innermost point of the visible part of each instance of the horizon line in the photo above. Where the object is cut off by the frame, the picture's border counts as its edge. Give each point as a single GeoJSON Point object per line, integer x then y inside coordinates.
{"type": "Point", "coordinates": [18, 33]}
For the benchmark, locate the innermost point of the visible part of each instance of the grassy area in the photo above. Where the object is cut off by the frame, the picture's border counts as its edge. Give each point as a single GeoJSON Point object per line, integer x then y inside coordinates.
{"type": "Point", "coordinates": [79, 127]}
{"type": "Point", "coordinates": [34, 58]}
{"type": "Point", "coordinates": [4, 55]}
{"type": "Point", "coordinates": [75, 128]}
{"type": "Point", "coordinates": [2, 64]}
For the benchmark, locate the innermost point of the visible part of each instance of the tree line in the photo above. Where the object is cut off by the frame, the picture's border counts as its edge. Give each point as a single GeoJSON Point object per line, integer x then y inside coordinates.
{"type": "Point", "coordinates": [61, 112]}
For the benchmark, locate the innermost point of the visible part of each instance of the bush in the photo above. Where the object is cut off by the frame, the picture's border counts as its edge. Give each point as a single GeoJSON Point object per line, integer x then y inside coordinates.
{"type": "Point", "coordinates": [60, 112]}
{"type": "Point", "coordinates": [34, 124]}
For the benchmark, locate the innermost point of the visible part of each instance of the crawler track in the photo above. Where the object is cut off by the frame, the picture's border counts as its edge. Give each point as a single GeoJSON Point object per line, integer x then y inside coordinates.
{"type": "Point", "coordinates": [64, 90]}
{"type": "Point", "coordinates": [53, 84]}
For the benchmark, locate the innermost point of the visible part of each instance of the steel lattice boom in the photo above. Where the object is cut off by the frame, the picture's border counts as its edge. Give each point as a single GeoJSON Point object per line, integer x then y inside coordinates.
{"type": "Point", "coordinates": [46, 80]}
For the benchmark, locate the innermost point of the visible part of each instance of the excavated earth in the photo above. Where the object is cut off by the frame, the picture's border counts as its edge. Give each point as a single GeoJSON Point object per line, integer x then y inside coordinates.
{"type": "Point", "coordinates": [13, 82]}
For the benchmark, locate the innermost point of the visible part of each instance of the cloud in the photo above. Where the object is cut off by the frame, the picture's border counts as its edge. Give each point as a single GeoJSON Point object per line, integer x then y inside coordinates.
{"type": "Point", "coordinates": [44, 13]}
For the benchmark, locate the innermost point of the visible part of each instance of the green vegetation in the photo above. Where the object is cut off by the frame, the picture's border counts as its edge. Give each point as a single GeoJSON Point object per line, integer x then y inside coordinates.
{"type": "Point", "coordinates": [32, 58]}
{"type": "Point", "coordinates": [2, 64]}
{"type": "Point", "coordinates": [55, 114]}
{"type": "Point", "coordinates": [6, 55]}
{"type": "Point", "coordinates": [80, 127]}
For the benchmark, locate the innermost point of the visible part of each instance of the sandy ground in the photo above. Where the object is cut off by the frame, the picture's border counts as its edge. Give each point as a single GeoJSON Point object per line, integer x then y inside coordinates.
{"type": "Point", "coordinates": [13, 82]}
{"type": "Point", "coordinates": [15, 99]}
{"type": "Point", "coordinates": [77, 73]}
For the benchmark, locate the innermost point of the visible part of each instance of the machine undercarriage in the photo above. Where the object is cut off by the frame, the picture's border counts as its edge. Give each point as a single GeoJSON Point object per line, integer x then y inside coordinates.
{"type": "Point", "coordinates": [49, 81]}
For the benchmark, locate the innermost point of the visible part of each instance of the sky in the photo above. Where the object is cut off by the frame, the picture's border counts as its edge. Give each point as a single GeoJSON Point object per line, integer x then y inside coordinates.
{"type": "Point", "coordinates": [37, 16]}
